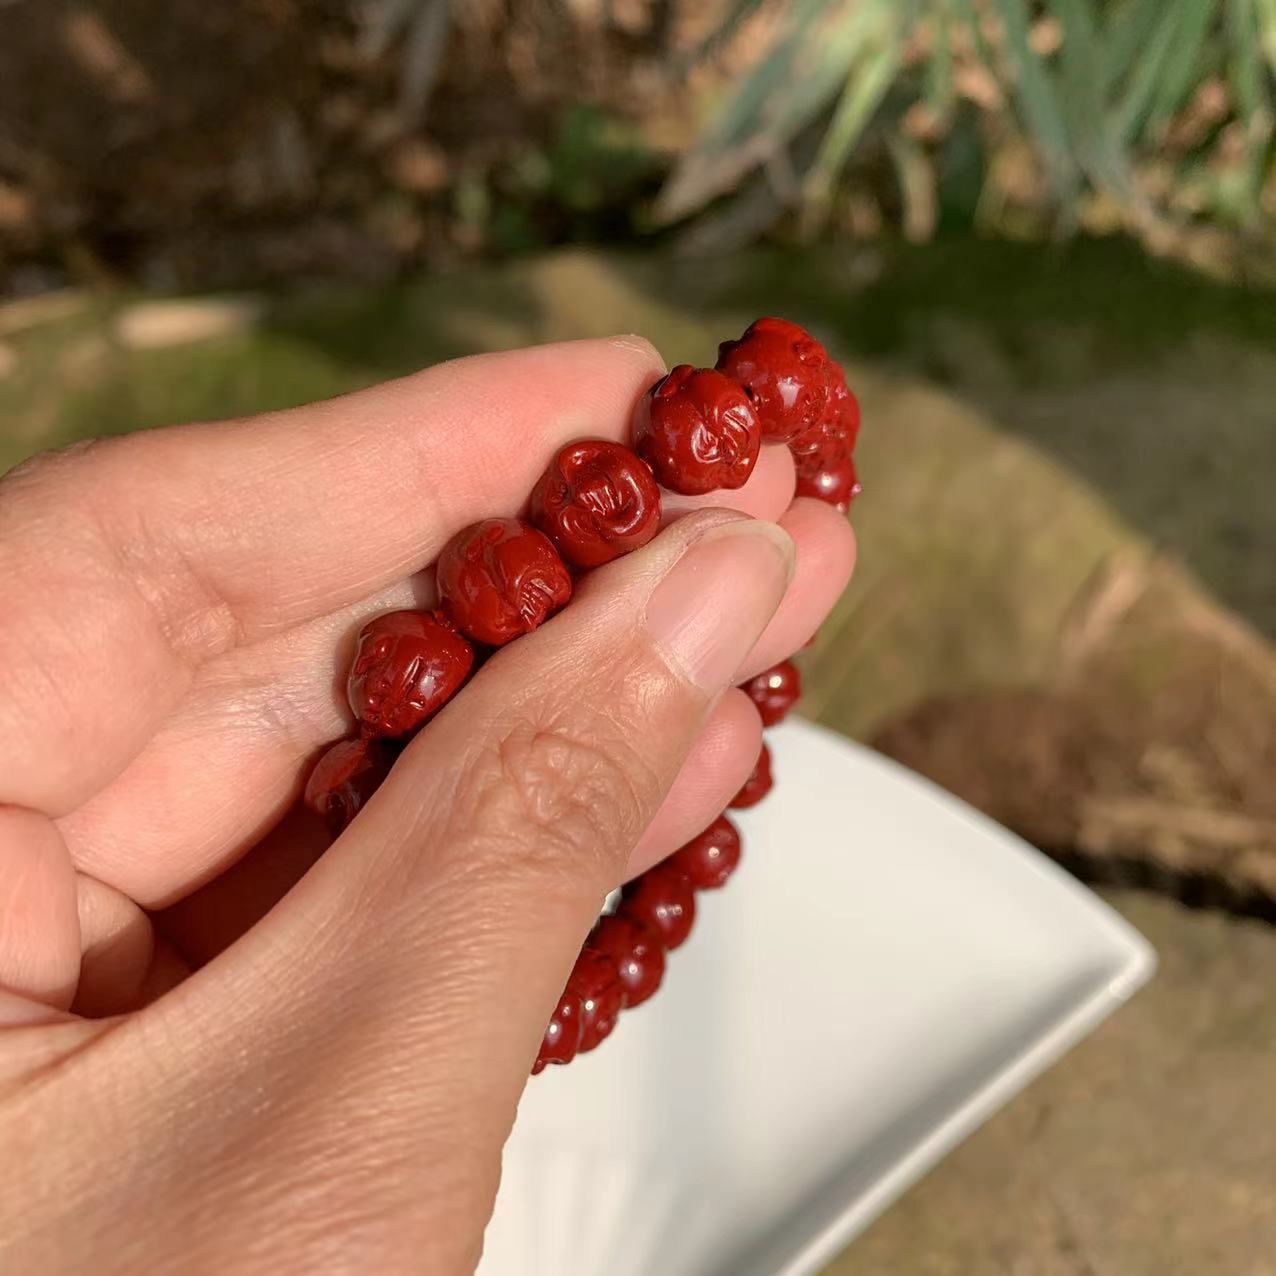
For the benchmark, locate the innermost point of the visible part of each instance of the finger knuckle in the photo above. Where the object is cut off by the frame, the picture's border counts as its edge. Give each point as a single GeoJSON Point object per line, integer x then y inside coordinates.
{"type": "Point", "coordinates": [552, 798]}
{"type": "Point", "coordinates": [62, 466]}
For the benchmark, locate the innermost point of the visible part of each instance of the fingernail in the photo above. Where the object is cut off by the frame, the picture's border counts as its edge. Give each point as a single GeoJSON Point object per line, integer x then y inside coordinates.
{"type": "Point", "coordinates": [716, 600]}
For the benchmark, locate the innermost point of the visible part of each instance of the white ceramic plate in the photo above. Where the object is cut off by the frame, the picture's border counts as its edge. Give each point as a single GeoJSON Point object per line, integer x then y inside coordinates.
{"type": "Point", "coordinates": [883, 972]}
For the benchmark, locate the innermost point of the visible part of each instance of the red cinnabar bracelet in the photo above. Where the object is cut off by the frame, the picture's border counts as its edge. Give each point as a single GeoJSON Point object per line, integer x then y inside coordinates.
{"type": "Point", "coordinates": [696, 430]}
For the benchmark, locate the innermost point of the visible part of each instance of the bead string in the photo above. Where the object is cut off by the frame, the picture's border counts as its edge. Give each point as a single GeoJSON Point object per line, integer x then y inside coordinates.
{"type": "Point", "coordinates": [696, 430]}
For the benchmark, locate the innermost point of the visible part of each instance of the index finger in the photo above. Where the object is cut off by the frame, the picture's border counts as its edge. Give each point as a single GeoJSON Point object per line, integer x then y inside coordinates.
{"type": "Point", "coordinates": [124, 566]}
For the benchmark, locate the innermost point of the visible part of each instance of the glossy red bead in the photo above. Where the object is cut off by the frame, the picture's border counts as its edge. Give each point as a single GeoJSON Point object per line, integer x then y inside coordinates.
{"type": "Point", "coordinates": [758, 785]}
{"type": "Point", "coordinates": [407, 666]}
{"type": "Point", "coordinates": [834, 482]}
{"type": "Point", "coordinates": [662, 899]}
{"type": "Point", "coordinates": [501, 578]}
{"type": "Point", "coordinates": [344, 778]}
{"type": "Point", "coordinates": [785, 371]}
{"type": "Point", "coordinates": [596, 501]}
{"type": "Point", "coordinates": [838, 428]}
{"type": "Point", "coordinates": [636, 954]}
{"type": "Point", "coordinates": [561, 1042]}
{"type": "Point", "coordinates": [775, 692]}
{"type": "Point", "coordinates": [710, 857]}
{"type": "Point", "coordinates": [698, 431]}
{"type": "Point", "coordinates": [595, 980]}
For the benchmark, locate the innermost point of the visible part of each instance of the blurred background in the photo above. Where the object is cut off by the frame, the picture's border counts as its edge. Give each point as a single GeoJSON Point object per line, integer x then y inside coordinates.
{"type": "Point", "coordinates": [1041, 233]}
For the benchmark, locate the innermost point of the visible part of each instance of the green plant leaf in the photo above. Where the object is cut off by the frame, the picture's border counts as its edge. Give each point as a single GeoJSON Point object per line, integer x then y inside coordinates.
{"type": "Point", "coordinates": [1247, 75]}
{"type": "Point", "coordinates": [831, 56]}
{"type": "Point", "coordinates": [771, 80]}
{"type": "Point", "coordinates": [1038, 98]}
{"type": "Point", "coordinates": [1267, 29]}
{"type": "Point", "coordinates": [790, 85]}
{"type": "Point", "coordinates": [737, 14]}
{"type": "Point", "coordinates": [1245, 66]}
{"type": "Point", "coordinates": [1083, 97]}
{"type": "Point", "coordinates": [866, 86]}
{"type": "Point", "coordinates": [1176, 80]}
{"type": "Point", "coordinates": [1130, 114]}
{"type": "Point", "coordinates": [1127, 33]}
{"type": "Point", "coordinates": [938, 90]}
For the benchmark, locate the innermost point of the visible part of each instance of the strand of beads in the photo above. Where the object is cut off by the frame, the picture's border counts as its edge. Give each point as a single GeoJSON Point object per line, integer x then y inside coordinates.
{"type": "Point", "coordinates": [696, 431]}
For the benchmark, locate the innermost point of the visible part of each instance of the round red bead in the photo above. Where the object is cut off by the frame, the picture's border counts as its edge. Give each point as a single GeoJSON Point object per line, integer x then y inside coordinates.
{"type": "Point", "coordinates": [407, 666]}
{"type": "Point", "coordinates": [501, 578]}
{"type": "Point", "coordinates": [775, 692]}
{"type": "Point", "coordinates": [594, 979]}
{"type": "Point", "coordinates": [635, 952]}
{"type": "Point", "coordinates": [344, 778]}
{"type": "Point", "coordinates": [785, 371]}
{"type": "Point", "coordinates": [596, 501]}
{"type": "Point", "coordinates": [838, 428]}
{"type": "Point", "coordinates": [698, 431]}
{"type": "Point", "coordinates": [662, 899]}
{"type": "Point", "coordinates": [834, 482]}
{"type": "Point", "coordinates": [561, 1042]}
{"type": "Point", "coordinates": [710, 857]}
{"type": "Point", "coordinates": [758, 785]}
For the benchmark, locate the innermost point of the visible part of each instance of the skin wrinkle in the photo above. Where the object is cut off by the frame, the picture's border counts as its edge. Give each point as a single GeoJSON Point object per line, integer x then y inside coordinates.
{"type": "Point", "coordinates": [260, 701]}
{"type": "Point", "coordinates": [332, 1173]}
{"type": "Point", "coordinates": [580, 792]}
{"type": "Point", "coordinates": [41, 683]}
{"type": "Point", "coordinates": [194, 619]}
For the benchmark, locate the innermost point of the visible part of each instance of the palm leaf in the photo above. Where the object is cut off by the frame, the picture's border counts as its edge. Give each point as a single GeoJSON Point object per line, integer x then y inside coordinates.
{"type": "Point", "coordinates": [1128, 32]}
{"type": "Point", "coordinates": [865, 88]}
{"type": "Point", "coordinates": [1178, 80]}
{"type": "Point", "coordinates": [1146, 75]}
{"type": "Point", "coordinates": [1266, 17]}
{"type": "Point", "coordinates": [832, 54]}
{"type": "Point", "coordinates": [1095, 109]}
{"type": "Point", "coordinates": [938, 92]}
{"type": "Point", "coordinates": [785, 91]}
{"type": "Point", "coordinates": [1247, 73]}
{"type": "Point", "coordinates": [1038, 99]}
{"type": "Point", "coordinates": [1249, 83]}
{"type": "Point", "coordinates": [737, 14]}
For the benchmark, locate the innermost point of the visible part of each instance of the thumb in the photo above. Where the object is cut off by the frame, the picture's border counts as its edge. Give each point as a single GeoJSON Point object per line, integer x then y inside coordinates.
{"type": "Point", "coordinates": [414, 968]}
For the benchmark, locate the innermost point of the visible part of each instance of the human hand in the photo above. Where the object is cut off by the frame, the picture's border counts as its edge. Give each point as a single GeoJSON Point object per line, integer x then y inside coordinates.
{"type": "Point", "coordinates": [225, 1046]}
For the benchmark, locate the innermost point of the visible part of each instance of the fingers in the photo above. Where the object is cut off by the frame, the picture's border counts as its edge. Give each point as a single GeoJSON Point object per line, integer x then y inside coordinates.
{"type": "Point", "coordinates": [825, 546]}
{"type": "Point", "coordinates": [125, 564]}
{"type": "Point", "coordinates": [766, 495]}
{"type": "Point", "coordinates": [445, 920]}
{"type": "Point", "coordinates": [39, 929]}
{"type": "Point", "coordinates": [225, 768]}
{"type": "Point", "coordinates": [122, 965]}
{"type": "Point", "coordinates": [207, 922]}
{"type": "Point", "coordinates": [719, 764]}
